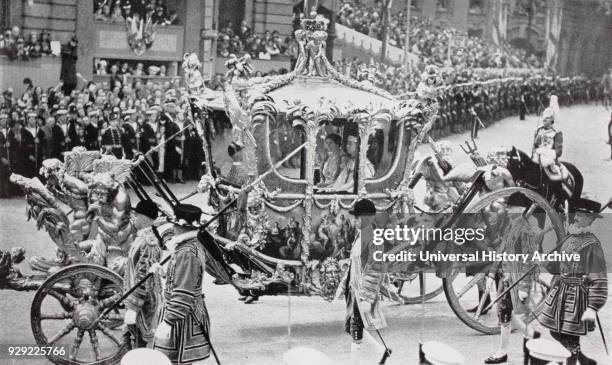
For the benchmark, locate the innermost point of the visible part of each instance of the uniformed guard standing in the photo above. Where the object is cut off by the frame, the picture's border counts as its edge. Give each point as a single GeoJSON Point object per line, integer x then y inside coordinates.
{"type": "Point", "coordinates": [610, 135]}
{"type": "Point", "coordinates": [183, 333]}
{"type": "Point", "coordinates": [22, 150]}
{"type": "Point", "coordinates": [62, 139]}
{"type": "Point", "coordinates": [90, 124]}
{"type": "Point", "coordinates": [5, 166]}
{"type": "Point", "coordinates": [128, 134]}
{"type": "Point", "coordinates": [362, 287]}
{"type": "Point", "coordinates": [173, 168]}
{"type": "Point", "coordinates": [111, 140]}
{"type": "Point", "coordinates": [580, 288]}
{"type": "Point", "coordinates": [143, 305]}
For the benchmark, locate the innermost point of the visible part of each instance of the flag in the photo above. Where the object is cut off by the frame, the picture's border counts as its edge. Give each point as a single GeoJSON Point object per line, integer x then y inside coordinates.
{"type": "Point", "coordinates": [553, 33]}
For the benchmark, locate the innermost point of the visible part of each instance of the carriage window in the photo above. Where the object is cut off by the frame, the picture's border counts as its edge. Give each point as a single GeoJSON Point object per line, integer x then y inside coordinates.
{"type": "Point", "coordinates": [383, 148]}
{"type": "Point", "coordinates": [284, 140]}
{"type": "Point", "coordinates": [337, 158]}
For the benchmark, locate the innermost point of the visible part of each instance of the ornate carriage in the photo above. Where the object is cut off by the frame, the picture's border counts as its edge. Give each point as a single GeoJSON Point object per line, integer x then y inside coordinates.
{"type": "Point", "coordinates": [316, 142]}
{"type": "Point", "coordinates": [304, 147]}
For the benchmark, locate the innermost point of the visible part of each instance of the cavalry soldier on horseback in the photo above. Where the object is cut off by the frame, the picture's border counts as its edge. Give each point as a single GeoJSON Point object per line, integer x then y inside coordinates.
{"type": "Point", "coordinates": [548, 145]}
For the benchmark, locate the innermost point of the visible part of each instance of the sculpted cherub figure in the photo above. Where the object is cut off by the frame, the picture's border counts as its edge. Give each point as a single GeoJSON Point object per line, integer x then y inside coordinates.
{"type": "Point", "coordinates": [70, 191]}
{"type": "Point", "coordinates": [109, 206]}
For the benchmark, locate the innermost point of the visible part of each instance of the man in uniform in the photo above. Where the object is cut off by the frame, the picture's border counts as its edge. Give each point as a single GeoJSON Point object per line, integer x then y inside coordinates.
{"type": "Point", "coordinates": [524, 99]}
{"type": "Point", "coordinates": [33, 129]}
{"type": "Point", "coordinates": [79, 140]}
{"type": "Point", "coordinates": [149, 129]}
{"type": "Point", "coordinates": [579, 289]}
{"type": "Point", "coordinates": [5, 166]}
{"type": "Point", "coordinates": [22, 150]}
{"type": "Point", "coordinates": [55, 140]}
{"type": "Point", "coordinates": [362, 285]}
{"type": "Point", "coordinates": [62, 139]}
{"type": "Point", "coordinates": [91, 130]}
{"type": "Point", "coordinates": [142, 306]}
{"type": "Point", "coordinates": [112, 138]}
{"type": "Point", "coordinates": [476, 110]}
{"type": "Point", "coordinates": [128, 134]}
{"type": "Point", "coordinates": [183, 330]}
{"type": "Point", "coordinates": [459, 127]}
{"type": "Point", "coordinates": [610, 135]}
{"type": "Point", "coordinates": [173, 153]}
{"type": "Point", "coordinates": [548, 144]}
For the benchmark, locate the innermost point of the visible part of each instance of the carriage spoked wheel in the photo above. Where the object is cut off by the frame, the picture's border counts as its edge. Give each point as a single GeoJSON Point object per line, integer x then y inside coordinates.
{"type": "Point", "coordinates": [419, 287]}
{"type": "Point", "coordinates": [64, 311]}
{"type": "Point", "coordinates": [510, 212]}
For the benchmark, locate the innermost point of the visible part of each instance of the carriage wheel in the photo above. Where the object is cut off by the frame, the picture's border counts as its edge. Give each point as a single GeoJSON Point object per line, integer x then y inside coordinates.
{"type": "Point", "coordinates": [64, 309]}
{"type": "Point", "coordinates": [418, 287]}
{"type": "Point", "coordinates": [462, 291]}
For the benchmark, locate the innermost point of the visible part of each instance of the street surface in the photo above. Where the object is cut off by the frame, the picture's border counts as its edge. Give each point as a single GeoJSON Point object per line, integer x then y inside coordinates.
{"type": "Point", "coordinates": [261, 332]}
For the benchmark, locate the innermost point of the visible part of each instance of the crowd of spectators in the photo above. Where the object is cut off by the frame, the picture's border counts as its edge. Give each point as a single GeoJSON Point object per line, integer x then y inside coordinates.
{"type": "Point", "coordinates": [129, 68]}
{"type": "Point", "coordinates": [240, 40]}
{"type": "Point", "coordinates": [444, 46]}
{"type": "Point", "coordinates": [399, 80]}
{"type": "Point", "coordinates": [86, 115]}
{"type": "Point", "coordinates": [16, 45]}
{"type": "Point", "coordinates": [122, 10]}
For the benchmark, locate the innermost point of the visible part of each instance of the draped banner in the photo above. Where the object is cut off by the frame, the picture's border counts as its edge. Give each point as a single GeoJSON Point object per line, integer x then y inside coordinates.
{"type": "Point", "coordinates": [499, 18]}
{"type": "Point", "coordinates": [553, 33]}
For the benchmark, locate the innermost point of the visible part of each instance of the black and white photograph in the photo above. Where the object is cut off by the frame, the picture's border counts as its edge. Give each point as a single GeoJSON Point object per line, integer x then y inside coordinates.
{"type": "Point", "coordinates": [314, 182]}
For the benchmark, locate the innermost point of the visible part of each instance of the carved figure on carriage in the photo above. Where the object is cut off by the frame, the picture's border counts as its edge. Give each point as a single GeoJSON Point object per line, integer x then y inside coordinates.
{"type": "Point", "coordinates": [109, 207]}
{"type": "Point", "coordinates": [46, 209]}
{"type": "Point", "coordinates": [69, 190]}
{"type": "Point", "coordinates": [11, 276]}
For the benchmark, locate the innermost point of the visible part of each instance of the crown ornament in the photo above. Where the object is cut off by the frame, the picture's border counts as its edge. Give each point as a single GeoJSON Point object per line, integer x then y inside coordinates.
{"type": "Point", "coordinates": [314, 22]}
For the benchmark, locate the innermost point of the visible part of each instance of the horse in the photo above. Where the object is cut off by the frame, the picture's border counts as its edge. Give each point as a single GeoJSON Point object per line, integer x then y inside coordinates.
{"type": "Point", "coordinates": [531, 175]}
